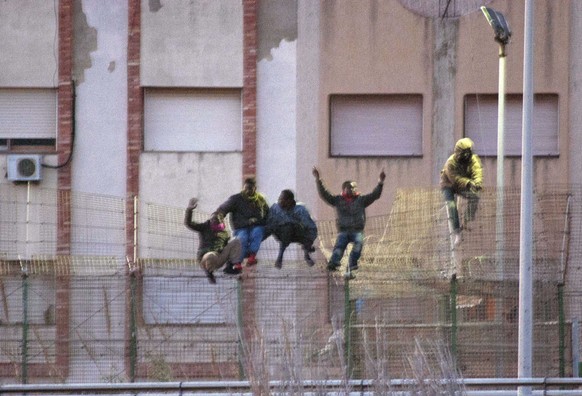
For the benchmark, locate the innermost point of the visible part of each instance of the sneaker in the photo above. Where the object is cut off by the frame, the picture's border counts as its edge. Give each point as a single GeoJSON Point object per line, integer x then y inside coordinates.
{"type": "Point", "coordinates": [210, 276]}
{"type": "Point", "coordinates": [308, 259]}
{"type": "Point", "coordinates": [230, 270]}
{"type": "Point", "coordinates": [309, 249]}
{"type": "Point", "coordinates": [252, 259]}
{"type": "Point", "coordinates": [332, 267]}
{"type": "Point", "coordinates": [279, 263]}
{"type": "Point", "coordinates": [237, 266]}
{"type": "Point", "coordinates": [354, 267]}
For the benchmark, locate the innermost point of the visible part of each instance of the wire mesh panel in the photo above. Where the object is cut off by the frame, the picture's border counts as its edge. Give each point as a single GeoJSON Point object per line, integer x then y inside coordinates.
{"type": "Point", "coordinates": [415, 307]}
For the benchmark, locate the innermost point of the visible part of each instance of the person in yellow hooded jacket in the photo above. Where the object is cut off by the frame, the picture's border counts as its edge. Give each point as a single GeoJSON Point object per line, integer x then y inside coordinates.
{"type": "Point", "coordinates": [462, 175]}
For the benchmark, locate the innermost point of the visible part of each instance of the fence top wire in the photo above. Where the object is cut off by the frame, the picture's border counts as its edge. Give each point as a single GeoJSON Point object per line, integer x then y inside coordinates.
{"type": "Point", "coordinates": [410, 242]}
{"type": "Point", "coordinates": [63, 266]}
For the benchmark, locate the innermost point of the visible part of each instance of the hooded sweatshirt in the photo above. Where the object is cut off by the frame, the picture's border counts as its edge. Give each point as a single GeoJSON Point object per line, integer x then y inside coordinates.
{"type": "Point", "coordinates": [457, 174]}
{"type": "Point", "coordinates": [211, 239]}
{"type": "Point", "coordinates": [244, 208]}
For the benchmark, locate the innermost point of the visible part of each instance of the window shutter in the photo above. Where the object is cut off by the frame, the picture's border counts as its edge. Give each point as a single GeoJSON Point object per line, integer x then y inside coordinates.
{"type": "Point", "coordinates": [196, 120]}
{"type": "Point", "coordinates": [376, 125]}
{"type": "Point", "coordinates": [28, 113]}
{"type": "Point", "coordinates": [481, 124]}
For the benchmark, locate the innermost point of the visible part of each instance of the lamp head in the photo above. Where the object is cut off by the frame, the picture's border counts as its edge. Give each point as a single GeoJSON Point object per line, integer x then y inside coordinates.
{"type": "Point", "coordinates": [499, 25]}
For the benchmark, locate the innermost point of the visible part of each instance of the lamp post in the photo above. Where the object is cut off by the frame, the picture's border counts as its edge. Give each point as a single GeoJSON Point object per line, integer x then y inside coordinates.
{"type": "Point", "coordinates": [525, 347]}
{"type": "Point", "coordinates": [502, 35]}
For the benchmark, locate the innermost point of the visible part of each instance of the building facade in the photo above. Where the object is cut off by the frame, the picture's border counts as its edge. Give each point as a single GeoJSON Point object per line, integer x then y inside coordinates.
{"type": "Point", "coordinates": [163, 100]}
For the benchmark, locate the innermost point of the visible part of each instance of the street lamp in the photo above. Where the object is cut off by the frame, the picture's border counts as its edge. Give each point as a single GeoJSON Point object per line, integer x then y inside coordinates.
{"type": "Point", "coordinates": [499, 25]}
{"type": "Point", "coordinates": [502, 35]}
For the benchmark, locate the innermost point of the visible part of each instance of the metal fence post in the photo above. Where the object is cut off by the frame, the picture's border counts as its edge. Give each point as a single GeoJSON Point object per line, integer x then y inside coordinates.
{"type": "Point", "coordinates": [347, 329]}
{"type": "Point", "coordinates": [561, 332]}
{"type": "Point", "coordinates": [132, 326]}
{"type": "Point", "coordinates": [24, 373]}
{"type": "Point", "coordinates": [240, 332]}
{"type": "Point", "coordinates": [453, 308]}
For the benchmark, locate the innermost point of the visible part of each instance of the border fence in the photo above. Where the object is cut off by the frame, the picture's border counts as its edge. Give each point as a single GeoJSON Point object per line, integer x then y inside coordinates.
{"type": "Point", "coordinates": [416, 309]}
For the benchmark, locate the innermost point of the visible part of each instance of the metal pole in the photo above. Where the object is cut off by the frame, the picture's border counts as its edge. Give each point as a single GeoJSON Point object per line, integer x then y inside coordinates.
{"type": "Point", "coordinates": [561, 332]}
{"type": "Point", "coordinates": [575, 348]}
{"type": "Point", "coordinates": [500, 214]}
{"type": "Point", "coordinates": [453, 302]}
{"type": "Point", "coordinates": [240, 324]}
{"type": "Point", "coordinates": [24, 374]}
{"type": "Point", "coordinates": [500, 223]}
{"type": "Point", "coordinates": [133, 327]}
{"type": "Point", "coordinates": [135, 227]}
{"type": "Point", "coordinates": [347, 328]}
{"type": "Point", "coordinates": [526, 214]}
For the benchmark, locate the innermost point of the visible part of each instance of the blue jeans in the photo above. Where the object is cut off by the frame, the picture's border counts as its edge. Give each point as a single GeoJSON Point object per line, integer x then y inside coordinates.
{"type": "Point", "coordinates": [473, 202]}
{"type": "Point", "coordinates": [341, 243]}
{"type": "Point", "coordinates": [250, 239]}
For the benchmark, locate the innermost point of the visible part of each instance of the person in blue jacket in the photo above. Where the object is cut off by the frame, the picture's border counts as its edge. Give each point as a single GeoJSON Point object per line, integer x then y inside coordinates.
{"type": "Point", "coordinates": [289, 221]}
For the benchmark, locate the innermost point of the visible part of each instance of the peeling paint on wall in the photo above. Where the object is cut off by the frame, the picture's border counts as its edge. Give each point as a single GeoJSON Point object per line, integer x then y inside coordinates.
{"type": "Point", "coordinates": [154, 5]}
{"type": "Point", "coordinates": [85, 42]}
{"type": "Point", "coordinates": [277, 21]}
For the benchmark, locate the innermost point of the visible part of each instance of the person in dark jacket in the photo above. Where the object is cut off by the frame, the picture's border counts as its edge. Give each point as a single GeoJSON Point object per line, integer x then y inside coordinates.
{"type": "Point", "coordinates": [289, 221]}
{"type": "Point", "coordinates": [351, 218]}
{"type": "Point", "coordinates": [215, 246]}
{"type": "Point", "coordinates": [462, 175]}
{"type": "Point", "coordinates": [249, 210]}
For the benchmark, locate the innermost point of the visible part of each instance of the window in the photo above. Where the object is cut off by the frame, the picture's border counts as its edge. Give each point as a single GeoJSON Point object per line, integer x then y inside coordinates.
{"type": "Point", "coordinates": [202, 120]}
{"type": "Point", "coordinates": [29, 119]}
{"type": "Point", "coordinates": [375, 125]}
{"type": "Point", "coordinates": [481, 124]}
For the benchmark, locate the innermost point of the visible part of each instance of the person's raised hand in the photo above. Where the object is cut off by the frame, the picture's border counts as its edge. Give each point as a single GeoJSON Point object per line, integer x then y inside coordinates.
{"type": "Point", "coordinates": [193, 203]}
{"type": "Point", "coordinates": [382, 176]}
{"type": "Point", "coordinates": [315, 172]}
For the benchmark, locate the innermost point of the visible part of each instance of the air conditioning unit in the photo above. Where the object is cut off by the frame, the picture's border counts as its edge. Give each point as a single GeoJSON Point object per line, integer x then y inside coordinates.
{"type": "Point", "coordinates": [24, 167]}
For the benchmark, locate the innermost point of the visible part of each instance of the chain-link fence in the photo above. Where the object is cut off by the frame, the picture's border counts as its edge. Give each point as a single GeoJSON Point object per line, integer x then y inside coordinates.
{"type": "Point", "coordinates": [96, 315]}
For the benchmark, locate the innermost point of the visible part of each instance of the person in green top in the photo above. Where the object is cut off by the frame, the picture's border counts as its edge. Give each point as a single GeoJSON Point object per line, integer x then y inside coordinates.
{"type": "Point", "coordinates": [248, 216]}
{"type": "Point", "coordinates": [462, 175]}
{"type": "Point", "coordinates": [215, 248]}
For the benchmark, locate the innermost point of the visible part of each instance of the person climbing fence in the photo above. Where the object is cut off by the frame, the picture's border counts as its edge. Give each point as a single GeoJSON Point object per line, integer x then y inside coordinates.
{"type": "Point", "coordinates": [350, 207]}
{"type": "Point", "coordinates": [462, 175]}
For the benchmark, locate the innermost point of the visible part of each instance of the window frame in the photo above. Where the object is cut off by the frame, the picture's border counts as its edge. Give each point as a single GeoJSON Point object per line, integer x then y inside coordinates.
{"type": "Point", "coordinates": [32, 144]}
{"type": "Point", "coordinates": [236, 136]}
{"type": "Point", "coordinates": [539, 149]}
{"type": "Point", "coordinates": [415, 148]}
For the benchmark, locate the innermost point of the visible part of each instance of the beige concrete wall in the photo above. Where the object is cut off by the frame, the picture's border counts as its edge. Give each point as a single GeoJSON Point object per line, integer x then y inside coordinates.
{"type": "Point", "coordinates": [173, 178]}
{"type": "Point", "coordinates": [29, 56]}
{"type": "Point", "coordinates": [380, 47]}
{"type": "Point", "coordinates": [478, 66]}
{"type": "Point", "coordinates": [191, 43]}
{"type": "Point", "coordinates": [373, 47]}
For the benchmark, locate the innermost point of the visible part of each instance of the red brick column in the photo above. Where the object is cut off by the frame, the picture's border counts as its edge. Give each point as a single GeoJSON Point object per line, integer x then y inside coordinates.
{"type": "Point", "coordinates": [66, 105]}
{"type": "Point", "coordinates": [249, 92]}
{"type": "Point", "coordinates": [249, 100]}
{"type": "Point", "coordinates": [134, 148]}
{"type": "Point", "coordinates": [66, 108]}
{"type": "Point", "coordinates": [134, 116]}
